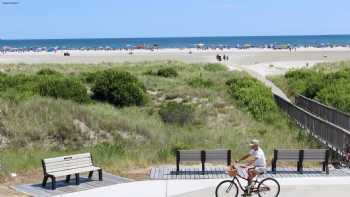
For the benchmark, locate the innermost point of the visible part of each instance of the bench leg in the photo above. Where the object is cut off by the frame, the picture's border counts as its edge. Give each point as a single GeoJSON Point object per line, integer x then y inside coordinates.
{"type": "Point", "coordinates": [300, 168]}
{"type": "Point", "coordinates": [177, 168]}
{"type": "Point", "coordinates": [90, 174]}
{"type": "Point", "coordinates": [273, 166]}
{"type": "Point", "coordinates": [100, 178]}
{"type": "Point", "coordinates": [53, 182]}
{"type": "Point", "coordinates": [203, 168]}
{"type": "Point", "coordinates": [67, 178]}
{"type": "Point", "coordinates": [77, 179]}
{"type": "Point", "coordinates": [45, 180]}
{"type": "Point", "coordinates": [325, 167]}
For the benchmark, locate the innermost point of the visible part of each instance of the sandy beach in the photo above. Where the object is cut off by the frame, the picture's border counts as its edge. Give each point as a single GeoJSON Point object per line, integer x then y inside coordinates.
{"type": "Point", "coordinates": [263, 61]}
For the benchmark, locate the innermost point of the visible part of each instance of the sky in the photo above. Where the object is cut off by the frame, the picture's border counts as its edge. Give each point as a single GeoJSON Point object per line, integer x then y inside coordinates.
{"type": "Point", "coordinates": [48, 19]}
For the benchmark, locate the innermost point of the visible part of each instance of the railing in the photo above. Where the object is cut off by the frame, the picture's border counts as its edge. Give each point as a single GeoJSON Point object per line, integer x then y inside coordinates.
{"type": "Point", "coordinates": [325, 112]}
{"type": "Point", "coordinates": [328, 133]}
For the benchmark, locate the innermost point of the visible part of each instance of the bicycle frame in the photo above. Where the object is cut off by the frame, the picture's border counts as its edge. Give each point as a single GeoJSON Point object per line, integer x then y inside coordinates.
{"type": "Point", "coordinates": [254, 182]}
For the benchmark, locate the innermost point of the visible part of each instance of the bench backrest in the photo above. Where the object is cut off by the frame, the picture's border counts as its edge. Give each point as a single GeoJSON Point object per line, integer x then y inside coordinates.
{"type": "Point", "coordinates": [218, 155]}
{"type": "Point", "coordinates": [69, 162]}
{"type": "Point", "coordinates": [189, 155]}
{"type": "Point", "coordinates": [315, 154]}
{"type": "Point", "coordinates": [289, 155]}
{"type": "Point", "coordinates": [204, 155]}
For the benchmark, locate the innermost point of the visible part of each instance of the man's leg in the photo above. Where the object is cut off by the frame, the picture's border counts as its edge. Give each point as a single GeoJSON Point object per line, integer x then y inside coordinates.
{"type": "Point", "coordinates": [251, 174]}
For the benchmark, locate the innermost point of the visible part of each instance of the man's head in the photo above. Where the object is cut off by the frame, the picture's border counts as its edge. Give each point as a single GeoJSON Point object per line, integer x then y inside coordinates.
{"type": "Point", "coordinates": [254, 144]}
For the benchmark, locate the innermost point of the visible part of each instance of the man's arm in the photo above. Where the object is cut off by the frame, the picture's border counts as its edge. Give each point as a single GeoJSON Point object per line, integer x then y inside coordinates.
{"type": "Point", "coordinates": [250, 163]}
{"type": "Point", "coordinates": [243, 158]}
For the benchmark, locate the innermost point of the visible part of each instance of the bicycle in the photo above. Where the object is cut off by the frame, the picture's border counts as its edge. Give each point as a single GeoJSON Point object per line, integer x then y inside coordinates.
{"type": "Point", "coordinates": [266, 187]}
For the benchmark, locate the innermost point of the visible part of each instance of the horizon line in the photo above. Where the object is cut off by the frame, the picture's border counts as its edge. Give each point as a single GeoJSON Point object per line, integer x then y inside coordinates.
{"type": "Point", "coordinates": [161, 37]}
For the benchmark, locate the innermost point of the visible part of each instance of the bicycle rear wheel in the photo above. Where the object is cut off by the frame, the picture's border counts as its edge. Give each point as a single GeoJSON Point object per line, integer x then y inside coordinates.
{"type": "Point", "coordinates": [226, 188]}
{"type": "Point", "coordinates": [268, 187]}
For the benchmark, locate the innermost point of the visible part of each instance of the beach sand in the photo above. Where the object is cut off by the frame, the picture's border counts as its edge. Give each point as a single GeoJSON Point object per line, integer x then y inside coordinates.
{"type": "Point", "coordinates": [263, 61]}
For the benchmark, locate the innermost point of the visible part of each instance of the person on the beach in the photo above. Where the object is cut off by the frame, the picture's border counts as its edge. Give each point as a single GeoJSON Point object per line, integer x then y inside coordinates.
{"type": "Point", "coordinates": [257, 165]}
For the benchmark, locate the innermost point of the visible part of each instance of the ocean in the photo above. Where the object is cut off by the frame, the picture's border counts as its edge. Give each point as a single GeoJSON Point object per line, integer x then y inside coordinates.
{"type": "Point", "coordinates": [185, 42]}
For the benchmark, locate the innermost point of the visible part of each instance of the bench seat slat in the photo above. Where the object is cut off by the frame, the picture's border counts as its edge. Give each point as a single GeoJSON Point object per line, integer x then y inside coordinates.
{"type": "Point", "coordinates": [65, 168]}
{"type": "Point", "coordinates": [74, 171]}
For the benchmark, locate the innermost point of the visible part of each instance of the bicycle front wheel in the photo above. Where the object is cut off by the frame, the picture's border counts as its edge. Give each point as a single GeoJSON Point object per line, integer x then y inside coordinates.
{"type": "Point", "coordinates": [268, 187]}
{"type": "Point", "coordinates": [226, 188]}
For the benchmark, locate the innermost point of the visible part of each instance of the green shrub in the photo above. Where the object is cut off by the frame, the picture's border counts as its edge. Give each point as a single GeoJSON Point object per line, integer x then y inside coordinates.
{"type": "Point", "coordinates": [59, 87]}
{"type": "Point", "coordinates": [336, 94]}
{"type": "Point", "coordinates": [106, 152]}
{"type": "Point", "coordinates": [90, 77]}
{"type": "Point", "coordinates": [254, 96]}
{"type": "Point", "coordinates": [327, 86]}
{"type": "Point", "coordinates": [199, 82]}
{"type": "Point", "coordinates": [177, 113]}
{"type": "Point", "coordinates": [300, 80]}
{"type": "Point", "coordinates": [214, 67]}
{"type": "Point", "coordinates": [18, 87]}
{"type": "Point", "coordinates": [167, 72]}
{"type": "Point", "coordinates": [119, 88]}
{"type": "Point", "coordinates": [163, 72]}
{"type": "Point", "coordinates": [47, 71]}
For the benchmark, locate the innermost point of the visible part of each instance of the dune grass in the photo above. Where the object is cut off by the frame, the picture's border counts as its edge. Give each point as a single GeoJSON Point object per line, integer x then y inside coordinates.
{"type": "Point", "coordinates": [37, 127]}
{"type": "Point", "coordinates": [327, 82]}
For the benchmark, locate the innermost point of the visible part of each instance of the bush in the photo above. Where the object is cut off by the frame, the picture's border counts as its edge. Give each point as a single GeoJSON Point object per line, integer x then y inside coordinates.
{"type": "Point", "coordinates": [119, 88]}
{"type": "Point", "coordinates": [199, 82]}
{"type": "Point", "coordinates": [47, 71]}
{"type": "Point", "coordinates": [300, 80]}
{"type": "Point", "coordinates": [214, 67]}
{"type": "Point", "coordinates": [330, 88]}
{"type": "Point", "coordinates": [177, 113]}
{"type": "Point", "coordinates": [90, 77]}
{"type": "Point", "coordinates": [59, 87]}
{"type": "Point", "coordinates": [18, 87]}
{"type": "Point", "coordinates": [163, 72]}
{"type": "Point", "coordinates": [254, 96]}
{"type": "Point", "coordinates": [336, 94]}
{"type": "Point", "coordinates": [167, 72]}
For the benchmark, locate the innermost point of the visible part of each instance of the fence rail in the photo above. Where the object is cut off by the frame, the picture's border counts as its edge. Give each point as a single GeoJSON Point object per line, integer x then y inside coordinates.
{"type": "Point", "coordinates": [326, 112]}
{"type": "Point", "coordinates": [333, 136]}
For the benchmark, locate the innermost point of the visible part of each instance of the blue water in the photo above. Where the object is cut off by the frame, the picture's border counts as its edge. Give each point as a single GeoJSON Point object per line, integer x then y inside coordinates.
{"type": "Point", "coordinates": [257, 41]}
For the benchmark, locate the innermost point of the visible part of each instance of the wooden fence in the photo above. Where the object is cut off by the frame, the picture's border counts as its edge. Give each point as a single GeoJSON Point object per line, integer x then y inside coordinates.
{"type": "Point", "coordinates": [325, 112]}
{"type": "Point", "coordinates": [333, 136]}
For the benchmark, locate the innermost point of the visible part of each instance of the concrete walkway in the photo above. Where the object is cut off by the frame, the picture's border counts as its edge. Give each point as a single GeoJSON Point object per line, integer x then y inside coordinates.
{"type": "Point", "coordinates": [290, 187]}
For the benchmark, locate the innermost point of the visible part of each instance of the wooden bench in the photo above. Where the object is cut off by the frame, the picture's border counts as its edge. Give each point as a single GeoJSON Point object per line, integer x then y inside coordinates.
{"type": "Point", "coordinates": [321, 155]}
{"type": "Point", "coordinates": [67, 166]}
{"type": "Point", "coordinates": [202, 156]}
{"type": "Point", "coordinates": [300, 156]}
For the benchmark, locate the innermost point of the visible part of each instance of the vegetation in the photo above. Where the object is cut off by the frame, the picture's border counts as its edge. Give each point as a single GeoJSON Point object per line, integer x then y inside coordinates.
{"type": "Point", "coordinates": [34, 127]}
{"type": "Point", "coordinates": [327, 82]}
{"type": "Point", "coordinates": [48, 71]}
{"type": "Point", "coordinates": [199, 82]}
{"type": "Point", "coordinates": [163, 72]}
{"type": "Point", "coordinates": [119, 88]}
{"type": "Point", "coordinates": [254, 96]}
{"type": "Point", "coordinates": [176, 113]}
{"type": "Point", "coordinates": [65, 88]}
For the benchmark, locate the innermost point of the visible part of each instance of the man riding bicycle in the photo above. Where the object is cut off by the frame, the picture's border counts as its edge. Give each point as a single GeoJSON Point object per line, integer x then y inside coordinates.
{"type": "Point", "coordinates": [255, 166]}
